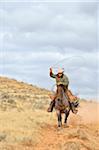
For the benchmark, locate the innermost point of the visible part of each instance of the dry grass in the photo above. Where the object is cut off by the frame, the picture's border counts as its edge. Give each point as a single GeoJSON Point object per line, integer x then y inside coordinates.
{"type": "Point", "coordinates": [25, 124]}
{"type": "Point", "coordinates": [22, 128]}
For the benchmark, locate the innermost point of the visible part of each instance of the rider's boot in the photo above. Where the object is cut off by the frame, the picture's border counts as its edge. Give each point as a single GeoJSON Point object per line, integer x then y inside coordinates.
{"type": "Point", "coordinates": [52, 104]}
{"type": "Point", "coordinates": [73, 108]}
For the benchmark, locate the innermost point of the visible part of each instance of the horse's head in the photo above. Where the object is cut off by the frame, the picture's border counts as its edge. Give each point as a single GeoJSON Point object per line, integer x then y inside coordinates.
{"type": "Point", "coordinates": [61, 98]}
{"type": "Point", "coordinates": [60, 92]}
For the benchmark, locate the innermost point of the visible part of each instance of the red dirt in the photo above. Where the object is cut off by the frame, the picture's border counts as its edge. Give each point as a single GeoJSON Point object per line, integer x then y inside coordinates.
{"type": "Point", "coordinates": [82, 128]}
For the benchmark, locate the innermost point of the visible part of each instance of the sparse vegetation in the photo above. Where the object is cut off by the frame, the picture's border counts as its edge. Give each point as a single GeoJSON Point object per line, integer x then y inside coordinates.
{"type": "Point", "coordinates": [25, 124]}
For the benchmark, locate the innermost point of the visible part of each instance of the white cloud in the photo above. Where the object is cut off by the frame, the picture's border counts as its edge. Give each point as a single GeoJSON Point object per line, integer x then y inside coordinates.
{"type": "Point", "coordinates": [35, 36]}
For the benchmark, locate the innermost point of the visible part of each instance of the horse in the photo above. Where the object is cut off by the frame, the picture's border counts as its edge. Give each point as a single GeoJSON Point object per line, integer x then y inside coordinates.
{"type": "Point", "coordinates": [62, 105]}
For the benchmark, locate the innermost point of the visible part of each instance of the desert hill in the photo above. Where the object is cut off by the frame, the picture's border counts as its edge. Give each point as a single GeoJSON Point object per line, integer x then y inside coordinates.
{"type": "Point", "coordinates": [26, 125]}
{"type": "Point", "coordinates": [14, 94]}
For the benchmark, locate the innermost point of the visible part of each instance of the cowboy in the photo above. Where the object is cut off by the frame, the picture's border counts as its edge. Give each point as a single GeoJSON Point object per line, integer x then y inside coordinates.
{"type": "Point", "coordinates": [61, 80]}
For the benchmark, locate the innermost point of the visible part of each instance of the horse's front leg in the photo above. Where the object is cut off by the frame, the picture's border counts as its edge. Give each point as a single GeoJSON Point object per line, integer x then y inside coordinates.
{"type": "Point", "coordinates": [59, 118]}
{"type": "Point", "coordinates": [66, 116]}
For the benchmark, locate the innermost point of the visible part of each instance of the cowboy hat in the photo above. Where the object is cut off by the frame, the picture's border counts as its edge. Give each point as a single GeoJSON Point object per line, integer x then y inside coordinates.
{"type": "Point", "coordinates": [60, 70]}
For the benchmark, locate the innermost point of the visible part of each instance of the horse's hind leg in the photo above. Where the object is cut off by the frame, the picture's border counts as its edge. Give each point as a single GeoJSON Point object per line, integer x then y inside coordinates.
{"type": "Point", "coordinates": [59, 118]}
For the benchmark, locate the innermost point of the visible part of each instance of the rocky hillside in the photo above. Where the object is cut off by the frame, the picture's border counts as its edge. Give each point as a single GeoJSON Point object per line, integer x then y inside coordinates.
{"type": "Point", "coordinates": [14, 94]}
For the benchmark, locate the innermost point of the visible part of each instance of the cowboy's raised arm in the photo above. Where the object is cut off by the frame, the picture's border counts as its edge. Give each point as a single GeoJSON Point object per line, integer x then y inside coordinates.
{"type": "Point", "coordinates": [52, 74]}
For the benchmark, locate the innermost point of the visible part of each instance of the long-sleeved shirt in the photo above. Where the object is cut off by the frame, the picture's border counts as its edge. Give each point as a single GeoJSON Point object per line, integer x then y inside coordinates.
{"type": "Point", "coordinates": [60, 80]}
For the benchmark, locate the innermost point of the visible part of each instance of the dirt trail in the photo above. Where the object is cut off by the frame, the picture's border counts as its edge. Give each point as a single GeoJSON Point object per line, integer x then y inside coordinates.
{"type": "Point", "coordinates": [81, 134]}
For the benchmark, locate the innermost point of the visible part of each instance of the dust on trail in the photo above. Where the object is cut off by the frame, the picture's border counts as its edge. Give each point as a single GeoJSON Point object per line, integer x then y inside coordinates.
{"type": "Point", "coordinates": [82, 132]}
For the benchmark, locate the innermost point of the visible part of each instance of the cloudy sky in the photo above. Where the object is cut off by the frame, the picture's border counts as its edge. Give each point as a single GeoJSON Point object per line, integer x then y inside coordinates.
{"type": "Point", "coordinates": [37, 35]}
